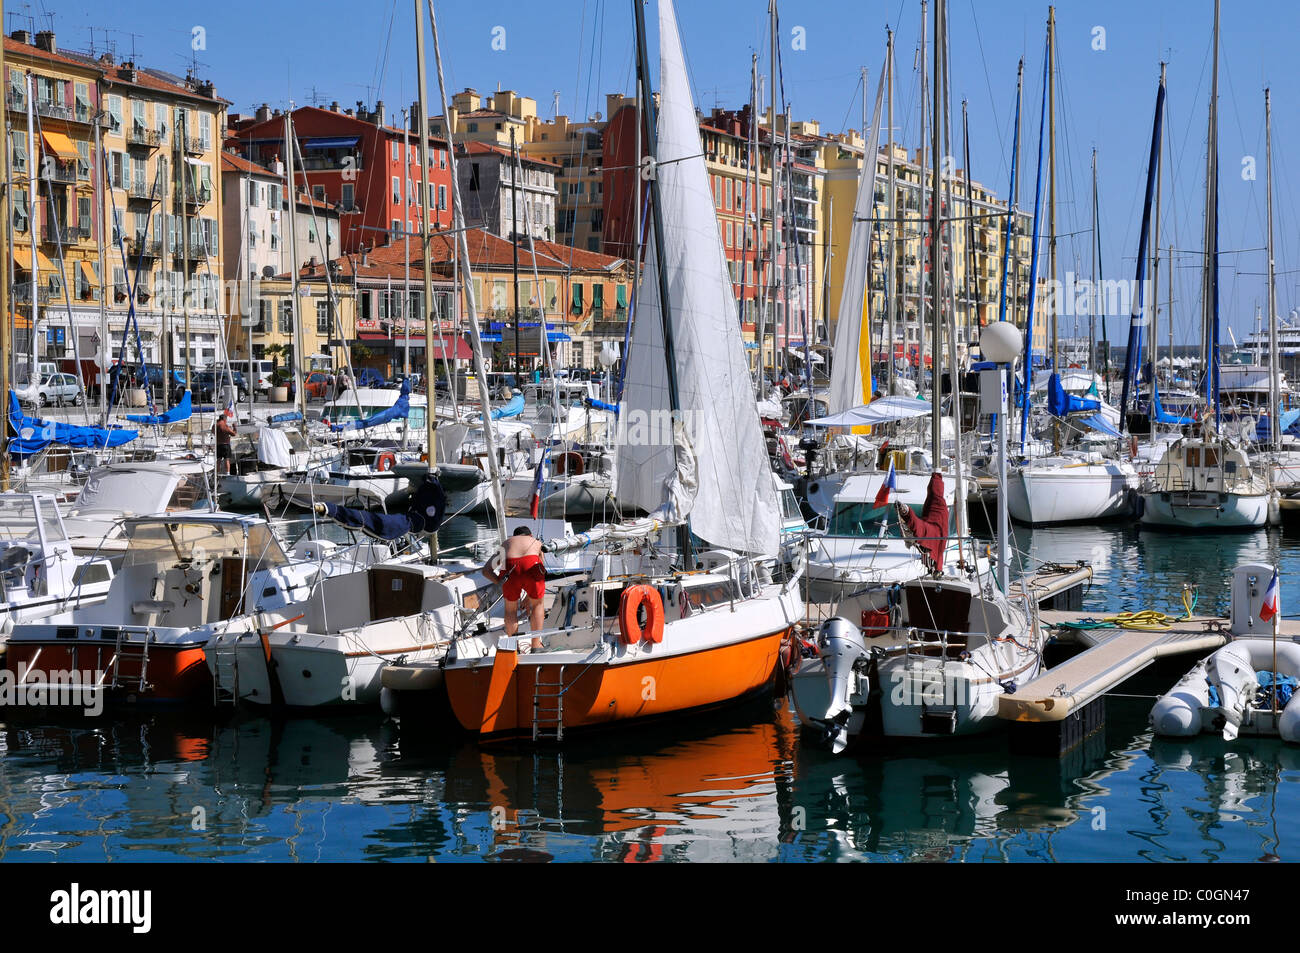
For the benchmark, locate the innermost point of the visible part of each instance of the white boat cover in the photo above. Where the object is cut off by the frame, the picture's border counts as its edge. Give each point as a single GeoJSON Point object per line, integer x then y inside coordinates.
{"type": "Point", "coordinates": [880, 411]}
{"type": "Point", "coordinates": [273, 447]}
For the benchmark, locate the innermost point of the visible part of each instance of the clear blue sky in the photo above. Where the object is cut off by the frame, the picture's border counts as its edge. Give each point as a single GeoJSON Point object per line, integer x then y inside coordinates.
{"type": "Point", "coordinates": [334, 50]}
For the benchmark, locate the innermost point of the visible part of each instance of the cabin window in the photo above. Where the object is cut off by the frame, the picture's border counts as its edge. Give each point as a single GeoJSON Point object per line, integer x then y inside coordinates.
{"type": "Point", "coordinates": [1194, 458]}
{"type": "Point", "coordinates": [90, 574]}
{"type": "Point", "coordinates": [1211, 457]}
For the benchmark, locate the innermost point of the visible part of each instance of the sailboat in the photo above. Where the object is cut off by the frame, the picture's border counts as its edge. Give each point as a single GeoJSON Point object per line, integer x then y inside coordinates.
{"type": "Point", "coordinates": [1204, 481]}
{"type": "Point", "coordinates": [714, 618]}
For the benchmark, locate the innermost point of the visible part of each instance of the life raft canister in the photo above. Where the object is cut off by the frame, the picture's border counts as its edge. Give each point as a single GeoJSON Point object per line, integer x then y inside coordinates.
{"type": "Point", "coordinates": [633, 598]}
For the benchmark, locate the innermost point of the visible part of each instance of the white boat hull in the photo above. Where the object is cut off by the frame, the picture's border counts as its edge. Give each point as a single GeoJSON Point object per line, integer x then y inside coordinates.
{"type": "Point", "coordinates": [1042, 496]}
{"type": "Point", "coordinates": [1205, 509]}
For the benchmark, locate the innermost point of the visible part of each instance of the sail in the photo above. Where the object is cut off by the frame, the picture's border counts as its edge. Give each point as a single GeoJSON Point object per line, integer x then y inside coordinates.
{"type": "Point", "coordinates": [851, 373]}
{"type": "Point", "coordinates": [735, 504]}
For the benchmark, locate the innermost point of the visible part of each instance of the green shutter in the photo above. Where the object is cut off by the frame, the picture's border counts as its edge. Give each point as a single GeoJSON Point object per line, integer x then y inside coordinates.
{"type": "Point", "coordinates": [622, 296]}
{"type": "Point", "coordinates": [598, 296]}
{"type": "Point", "coordinates": [577, 299]}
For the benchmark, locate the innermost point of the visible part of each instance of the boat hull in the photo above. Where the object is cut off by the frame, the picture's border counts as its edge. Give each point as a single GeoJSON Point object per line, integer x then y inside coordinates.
{"type": "Point", "coordinates": [1047, 496]}
{"type": "Point", "coordinates": [173, 675]}
{"type": "Point", "coordinates": [1204, 509]}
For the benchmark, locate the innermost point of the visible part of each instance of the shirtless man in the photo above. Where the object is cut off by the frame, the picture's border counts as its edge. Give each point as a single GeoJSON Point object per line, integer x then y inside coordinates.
{"type": "Point", "coordinates": [524, 573]}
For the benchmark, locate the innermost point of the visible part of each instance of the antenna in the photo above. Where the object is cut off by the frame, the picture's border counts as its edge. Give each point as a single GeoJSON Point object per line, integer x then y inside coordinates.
{"type": "Point", "coordinates": [555, 103]}
{"type": "Point", "coordinates": [315, 97]}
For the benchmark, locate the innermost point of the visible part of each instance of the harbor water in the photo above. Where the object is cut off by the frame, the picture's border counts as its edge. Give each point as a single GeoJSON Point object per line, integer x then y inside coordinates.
{"type": "Point", "coordinates": [735, 785]}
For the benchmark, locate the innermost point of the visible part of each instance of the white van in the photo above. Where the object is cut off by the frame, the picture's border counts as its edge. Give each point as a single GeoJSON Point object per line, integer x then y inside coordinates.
{"type": "Point", "coordinates": [261, 378]}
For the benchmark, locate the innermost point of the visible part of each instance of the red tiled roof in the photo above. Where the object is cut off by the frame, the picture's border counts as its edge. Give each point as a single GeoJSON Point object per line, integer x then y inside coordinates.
{"type": "Point", "coordinates": [485, 251]}
{"type": "Point", "coordinates": [487, 148]}
{"type": "Point", "coordinates": [15, 48]}
{"type": "Point", "coordinates": [235, 163]}
{"type": "Point", "coordinates": [251, 127]}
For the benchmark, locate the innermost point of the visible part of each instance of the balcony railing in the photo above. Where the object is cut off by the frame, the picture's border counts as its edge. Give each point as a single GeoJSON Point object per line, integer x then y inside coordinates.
{"type": "Point", "coordinates": [138, 190]}
{"type": "Point", "coordinates": [60, 172]}
{"type": "Point", "coordinates": [23, 293]}
{"type": "Point", "coordinates": [141, 136]}
{"type": "Point", "coordinates": [197, 194]}
{"type": "Point", "coordinates": [54, 110]}
{"type": "Point", "coordinates": [80, 231]}
{"type": "Point", "coordinates": [193, 145]}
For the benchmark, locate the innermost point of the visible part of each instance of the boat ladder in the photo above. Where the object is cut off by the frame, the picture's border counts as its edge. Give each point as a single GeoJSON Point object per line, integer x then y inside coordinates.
{"type": "Point", "coordinates": [225, 675]}
{"type": "Point", "coordinates": [131, 652]}
{"type": "Point", "coordinates": [548, 704]}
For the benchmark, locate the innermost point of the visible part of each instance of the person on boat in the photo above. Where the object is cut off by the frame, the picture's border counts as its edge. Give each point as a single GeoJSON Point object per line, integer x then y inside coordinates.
{"type": "Point", "coordinates": [224, 431]}
{"type": "Point", "coordinates": [524, 574]}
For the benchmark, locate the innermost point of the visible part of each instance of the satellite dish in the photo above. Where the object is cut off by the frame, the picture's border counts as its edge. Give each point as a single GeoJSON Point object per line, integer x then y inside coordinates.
{"type": "Point", "coordinates": [268, 271]}
{"type": "Point", "coordinates": [595, 117]}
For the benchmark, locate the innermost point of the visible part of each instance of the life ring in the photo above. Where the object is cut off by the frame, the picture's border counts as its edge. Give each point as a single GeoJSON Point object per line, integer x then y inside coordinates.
{"type": "Point", "coordinates": [385, 462]}
{"type": "Point", "coordinates": [633, 598]}
{"type": "Point", "coordinates": [569, 462]}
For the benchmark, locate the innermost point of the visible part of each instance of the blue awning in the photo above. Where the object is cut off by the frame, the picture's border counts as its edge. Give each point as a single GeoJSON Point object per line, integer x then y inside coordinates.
{"type": "Point", "coordinates": [337, 142]}
{"type": "Point", "coordinates": [557, 336]}
{"type": "Point", "coordinates": [490, 338]}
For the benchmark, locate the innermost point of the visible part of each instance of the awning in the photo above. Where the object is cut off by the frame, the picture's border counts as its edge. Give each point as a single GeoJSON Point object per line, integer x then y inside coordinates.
{"type": "Point", "coordinates": [89, 274]}
{"type": "Point", "coordinates": [23, 259]}
{"type": "Point", "coordinates": [490, 338]}
{"type": "Point", "coordinates": [798, 352]}
{"type": "Point", "coordinates": [557, 336]}
{"type": "Point", "coordinates": [337, 142]}
{"type": "Point", "coordinates": [60, 145]}
{"type": "Point", "coordinates": [882, 411]}
{"type": "Point", "coordinates": [451, 347]}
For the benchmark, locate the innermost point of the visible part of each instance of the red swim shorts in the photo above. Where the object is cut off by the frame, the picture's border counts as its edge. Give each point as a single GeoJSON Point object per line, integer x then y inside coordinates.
{"type": "Point", "coordinates": [527, 575]}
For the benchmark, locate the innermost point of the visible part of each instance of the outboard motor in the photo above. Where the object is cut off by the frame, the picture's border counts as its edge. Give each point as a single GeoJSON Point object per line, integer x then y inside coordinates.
{"type": "Point", "coordinates": [845, 654]}
{"type": "Point", "coordinates": [1232, 674]}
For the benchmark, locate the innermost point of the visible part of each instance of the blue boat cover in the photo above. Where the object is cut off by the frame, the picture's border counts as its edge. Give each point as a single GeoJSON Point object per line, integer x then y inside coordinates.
{"type": "Point", "coordinates": [513, 408]}
{"type": "Point", "coordinates": [1161, 416]}
{"type": "Point", "coordinates": [32, 435]}
{"type": "Point", "coordinates": [1098, 423]}
{"type": "Point", "coordinates": [399, 410]}
{"type": "Point", "coordinates": [1286, 420]}
{"type": "Point", "coordinates": [181, 411]}
{"type": "Point", "coordinates": [601, 405]}
{"type": "Point", "coordinates": [286, 418]}
{"type": "Point", "coordinates": [1059, 403]}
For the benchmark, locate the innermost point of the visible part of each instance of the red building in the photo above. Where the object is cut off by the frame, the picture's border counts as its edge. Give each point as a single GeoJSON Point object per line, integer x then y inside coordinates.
{"type": "Point", "coordinates": [355, 161]}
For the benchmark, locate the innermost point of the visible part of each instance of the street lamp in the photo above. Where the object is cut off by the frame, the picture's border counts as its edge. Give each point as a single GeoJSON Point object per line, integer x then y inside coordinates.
{"type": "Point", "coordinates": [999, 343]}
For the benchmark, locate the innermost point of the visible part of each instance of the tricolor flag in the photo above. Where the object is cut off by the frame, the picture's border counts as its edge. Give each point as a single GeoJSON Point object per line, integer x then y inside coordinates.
{"type": "Point", "coordinates": [1272, 602]}
{"type": "Point", "coordinates": [537, 484]}
{"type": "Point", "coordinates": [885, 495]}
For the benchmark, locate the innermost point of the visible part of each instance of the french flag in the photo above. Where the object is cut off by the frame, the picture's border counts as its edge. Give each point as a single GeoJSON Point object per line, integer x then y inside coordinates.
{"type": "Point", "coordinates": [885, 495]}
{"type": "Point", "coordinates": [1271, 606]}
{"type": "Point", "coordinates": [537, 484]}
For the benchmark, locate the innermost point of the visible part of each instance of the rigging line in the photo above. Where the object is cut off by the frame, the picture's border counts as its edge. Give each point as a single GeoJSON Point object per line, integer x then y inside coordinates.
{"type": "Point", "coordinates": [381, 67]}
{"type": "Point", "coordinates": [988, 83]}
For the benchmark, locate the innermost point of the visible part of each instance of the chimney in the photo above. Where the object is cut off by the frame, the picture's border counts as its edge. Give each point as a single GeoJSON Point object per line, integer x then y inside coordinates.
{"type": "Point", "coordinates": [45, 41]}
{"type": "Point", "coordinates": [21, 36]}
{"type": "Point", "coordinates": [378, 115]}
{"type": "Point", "coordinates": [414, 115]}
{"type": "Point", "coordinates": [365, 256]}
{"type": "Point", "coordinates": [334, 106]}
{"type": "Point", "coordinates": [263, 113]}
{"type": "Point", "coordinates": [347, 112]}
{"type": "Point", "coordinates": [106, 59]}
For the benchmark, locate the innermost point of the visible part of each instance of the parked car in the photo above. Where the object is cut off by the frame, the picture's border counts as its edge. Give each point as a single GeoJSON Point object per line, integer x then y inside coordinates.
{"type": "Point", "coordinates": [318, 386]}
{"type": "Point", "coordinates": [55, 389]}
{"type": "Point", "coordinates": [263, 377]}
{"type": "Point", "coordinates": [206, 385]}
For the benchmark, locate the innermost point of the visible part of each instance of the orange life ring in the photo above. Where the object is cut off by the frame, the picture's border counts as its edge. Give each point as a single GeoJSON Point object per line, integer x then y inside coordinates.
{"type": "Point", "coordinates": [385, 462]}
{"type": "Point", "coordinates": [633, 598]}
{"type": "Point", "coordinates": [569, 462]}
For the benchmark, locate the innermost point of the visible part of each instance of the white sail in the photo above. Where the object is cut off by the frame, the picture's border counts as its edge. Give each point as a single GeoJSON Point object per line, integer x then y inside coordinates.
{"type": "Point", "coordinates": [851, 373]}
{"type": "Point", "coordinates": [736, 504]}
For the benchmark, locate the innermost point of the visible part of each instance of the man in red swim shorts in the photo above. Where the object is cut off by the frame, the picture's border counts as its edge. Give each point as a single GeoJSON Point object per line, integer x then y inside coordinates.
{"type": "Point", "coordinates": [523, 574]}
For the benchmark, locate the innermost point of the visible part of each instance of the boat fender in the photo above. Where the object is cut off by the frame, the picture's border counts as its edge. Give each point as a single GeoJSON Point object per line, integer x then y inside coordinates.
{"type": "Point", "coordinates": [385, 462]}
{"type": "Point", "coordinates": [633, 598]}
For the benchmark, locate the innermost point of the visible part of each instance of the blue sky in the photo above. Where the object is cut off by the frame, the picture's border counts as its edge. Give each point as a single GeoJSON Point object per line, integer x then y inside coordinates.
{"type": "Point", "coordinates": [581, 49]}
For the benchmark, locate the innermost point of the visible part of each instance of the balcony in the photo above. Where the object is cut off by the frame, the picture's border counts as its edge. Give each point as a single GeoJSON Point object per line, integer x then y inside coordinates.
{"type": "Point", "coordinates": [56, 233]}
{"type": "Point", "coordinates": [197, 194]}
{"type": "Point", "coordinates": [193, 145]}
{"type": "Point", "coordinates": [55, 111]}
{"type": "Point", "coordinates": [23, 293]}
{"type": "Point", "coordinates": [59, 172]}
{"type": "Point", "coordinates": [80, 231]}
{"type": "Point", "coordinates": [138, 190]}
{"type": "Point", "coordinates": [143, 137]}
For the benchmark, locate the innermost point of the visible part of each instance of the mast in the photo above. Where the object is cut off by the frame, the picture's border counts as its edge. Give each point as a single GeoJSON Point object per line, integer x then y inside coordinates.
{"type": "Point", "coordinates": [406, 258]}
{"type": "Point", "coordinates": [972, 285]}
{"type": "Point", "coordinates": [248, 293]}
{"type": "Point", "coordinates": [1051, 188]}
{"type": "Point", "coordinates": [1210, 279]}
{"type": "Point", "coordinates": [949, 280]}
{"type": "Point", "coordinates": [33, 226]}
{"type": "Point", "coordinates": [920, 236]}
{"type": "Point", "coordinates": [1274, 384]}
{"type": "Point", "coordinates": [657, 223]}
{"type": "Point", "coordinates": [514, 248]}
{"type": "Point", "coordinates": [430, 366]}
{"type": "Point", "coordinates": [294, 316]}
{"type": "Point", "coordinates": [1154, 345]}
{"type": "Point", "coordinates": [185, 275]}
{"type": "Point", "coordinates": [105, 347]}
{"type": "Point", "coordinates": [936, 257]}
{"type": "Point", "coordinates": [775, 205]}
{"type": "Point", "coordinates": [6, 345]}
{"type": "Point", "coordinates": [893, 222]}
{"type": "Point", "coordinates": [1011, 239]}
{"type": "Point", "coordinates": [1092, 293]}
